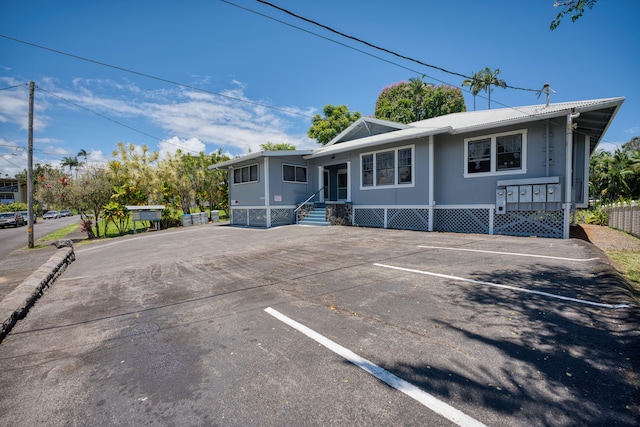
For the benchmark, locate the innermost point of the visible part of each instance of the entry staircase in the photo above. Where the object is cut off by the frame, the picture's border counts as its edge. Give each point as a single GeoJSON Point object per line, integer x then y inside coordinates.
{"type": "Point", "coordinates": [318, 217]}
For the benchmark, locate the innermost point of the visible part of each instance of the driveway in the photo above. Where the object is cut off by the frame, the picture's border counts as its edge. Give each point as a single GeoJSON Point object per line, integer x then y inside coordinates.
{"type": "Point", "coordinates": [217, 325]}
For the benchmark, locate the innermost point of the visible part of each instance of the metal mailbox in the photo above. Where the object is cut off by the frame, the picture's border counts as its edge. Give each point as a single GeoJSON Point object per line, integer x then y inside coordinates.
{"type": "Point", "coordinates": [539, 193]}
{"type": "Point", "coordinates": [512, 194]}
{"type": "Point", "coordinates": [525, 194]}
{"type": "Point", "coordinates": [553, 193]}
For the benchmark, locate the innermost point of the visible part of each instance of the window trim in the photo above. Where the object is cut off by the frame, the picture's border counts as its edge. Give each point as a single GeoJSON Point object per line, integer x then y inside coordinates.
{"type": "Point", "coordinates": [295, 174]}
{"type": "Point", "coordinates": [248, 167]}
{"type": "Point", "coordinates": [494, 155]}
{"type": "Point", "coordinates": [396, 184]}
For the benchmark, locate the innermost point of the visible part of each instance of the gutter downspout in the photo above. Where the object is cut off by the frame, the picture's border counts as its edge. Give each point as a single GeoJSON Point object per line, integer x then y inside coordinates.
{"type": "Point", "coordinates": [267, 195]}
{"type": "Point", "coordinates": [568, 179]}
{"type": "Point", "coordinates": [431, 199]}
{"type": "Point", "coordinates": [547, 152]}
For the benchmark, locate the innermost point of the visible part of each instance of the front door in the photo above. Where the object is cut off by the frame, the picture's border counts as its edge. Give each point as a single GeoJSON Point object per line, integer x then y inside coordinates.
{"type": "Point", "coordinates": [342, 184]}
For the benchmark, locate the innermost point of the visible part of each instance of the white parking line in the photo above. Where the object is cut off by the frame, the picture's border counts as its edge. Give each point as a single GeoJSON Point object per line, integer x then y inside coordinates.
{"type": "Point", "coordinates": [428, 400]}
{"type": "Point", "coordinates": [513, 288]}
{"type": "Point", "coordinates": [511, 253]}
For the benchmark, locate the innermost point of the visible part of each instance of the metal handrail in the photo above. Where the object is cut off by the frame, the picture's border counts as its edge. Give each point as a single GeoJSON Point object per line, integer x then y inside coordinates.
{"type": "Point", "coordinates": [306, 201]}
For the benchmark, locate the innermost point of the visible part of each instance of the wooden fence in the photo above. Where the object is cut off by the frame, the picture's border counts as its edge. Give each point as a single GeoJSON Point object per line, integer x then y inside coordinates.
{"type": "Point", "coordinates": [625, 216]}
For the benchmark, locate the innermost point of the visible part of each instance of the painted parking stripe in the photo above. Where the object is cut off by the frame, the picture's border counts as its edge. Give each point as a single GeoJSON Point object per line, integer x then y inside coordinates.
{"type": "Point", "coordinates": [511, 253]}
{"type": "Point", "coordinates": [513, 288]}
{"type": "Point", "coordinates": [428, 400]}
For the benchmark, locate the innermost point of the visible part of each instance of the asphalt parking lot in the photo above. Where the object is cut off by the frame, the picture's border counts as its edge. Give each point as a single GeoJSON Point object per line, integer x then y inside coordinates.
{"type": "Point", "coordinates": [217, 325]}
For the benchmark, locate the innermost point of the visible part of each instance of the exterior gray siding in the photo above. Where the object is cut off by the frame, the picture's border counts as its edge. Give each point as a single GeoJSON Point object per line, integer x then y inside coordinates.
{"type": "Point", "coordinates": [248, 193]}
{"type": "Point", "coordinates": [416, 194]}
{"type": "Point", "coordinates": [453, 188]}
{"type": "Point", "coordinates": [283, 193]}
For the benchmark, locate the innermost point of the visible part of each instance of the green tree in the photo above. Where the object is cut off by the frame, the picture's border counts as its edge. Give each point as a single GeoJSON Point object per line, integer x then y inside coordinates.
{"type": "Point", "coordinates": [53, 189]}
{"type": "Point", "coordinates": [474, 86]}
{"type": "Point", "coordinates": [71, 162]}
{"type": "Point", "coordinates": [135, 173]}
{"type": "Point", "coordinates": [89, 194]}
{"type": "Point", "coordinates": [283, 146]}
{"type": "Point", "coordinates": [616, 175]}
{"type": "Point", "coordinates": [575, 8]}
{"type": "Point", "coordinates": [335, 120]}
{"type": "Point", "coordinates": [632, 145]}
{"type": "Point", "coordinates": [483, 80]}
{"type": "Point", "coordinates": [407, 102]}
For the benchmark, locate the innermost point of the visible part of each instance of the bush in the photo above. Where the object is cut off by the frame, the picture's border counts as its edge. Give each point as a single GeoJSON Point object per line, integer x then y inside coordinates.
{"type": "Point", "coordinates": [597, 216]}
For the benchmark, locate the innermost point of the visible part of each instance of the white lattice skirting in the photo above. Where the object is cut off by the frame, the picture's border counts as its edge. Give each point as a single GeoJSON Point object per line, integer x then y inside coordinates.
{"type": "Point", "coordinates": [478, 220]}
{"type": "Point", "coordinates": [262, 216]}
{"type": "Point", "coordinates": [459, 219]}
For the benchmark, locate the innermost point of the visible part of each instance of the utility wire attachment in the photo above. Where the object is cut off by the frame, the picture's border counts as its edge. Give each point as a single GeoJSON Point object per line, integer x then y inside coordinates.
{"type": "Point", "coordinates": [546, 89]}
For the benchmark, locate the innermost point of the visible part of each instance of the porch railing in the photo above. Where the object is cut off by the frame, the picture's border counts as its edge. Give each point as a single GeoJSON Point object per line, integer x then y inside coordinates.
{"type": "Point", "coordinates": [295, 211]}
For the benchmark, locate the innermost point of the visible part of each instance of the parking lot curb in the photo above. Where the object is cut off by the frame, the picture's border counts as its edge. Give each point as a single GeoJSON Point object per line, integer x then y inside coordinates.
{"type": "Point", "coordinates": [16, 305]}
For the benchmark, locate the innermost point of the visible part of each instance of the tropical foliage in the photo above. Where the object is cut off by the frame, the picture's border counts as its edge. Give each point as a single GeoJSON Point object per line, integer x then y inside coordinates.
{"type": "Point", "coordinates": [135, 176]}
{"type": "Point", "coordinates": [482, 81]}
{"type": "Point", "coordinates": [335, 120]}
{"type": "Point", "coordinates": [575, 8]}
{"type": "Point", "coordinates": [615, 176]}
{"type": "Point", "coordinates": [271, 146]}
{"type": "Point", "coordinates": [415, 100]}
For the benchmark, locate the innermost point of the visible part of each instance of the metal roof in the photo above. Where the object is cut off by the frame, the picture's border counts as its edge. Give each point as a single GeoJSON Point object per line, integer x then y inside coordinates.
{"type": "Point", "coordinates": [595, 117]}
{"type": "Point", "coordinates": [257, 154]}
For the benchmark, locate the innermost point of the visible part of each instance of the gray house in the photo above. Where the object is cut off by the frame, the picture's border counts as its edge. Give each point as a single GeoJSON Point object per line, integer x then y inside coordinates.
{"type": "Point", "coordinates": [512, 171]}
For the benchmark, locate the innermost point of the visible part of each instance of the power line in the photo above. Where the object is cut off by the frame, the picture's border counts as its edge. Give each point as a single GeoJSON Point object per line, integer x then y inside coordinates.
{"type": "Point", "coordinates": [99, 115]}
{"type": "Point", "coordinates": [14, 86]}
{"type": "Point", "coordinates": [328, 39]}
{"type": "Point", "coordinates": [408, 58]}
{"type": "Point", "coordinates": [161, 79]}
{"type": "Point", "coordinates": [113, 120]}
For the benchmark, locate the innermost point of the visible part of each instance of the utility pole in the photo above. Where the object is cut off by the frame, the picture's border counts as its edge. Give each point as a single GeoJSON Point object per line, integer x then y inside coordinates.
{"type": "Point", "coordinates": [30, 168]}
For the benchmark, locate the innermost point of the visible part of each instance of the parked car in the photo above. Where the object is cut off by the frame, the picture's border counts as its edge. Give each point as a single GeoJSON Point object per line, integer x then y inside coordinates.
{"type": "Point", "coordinates": [65, 212]}
{"type": "Point", "coordinates": [51, 215]}
{"type": "Point", "coordinates": [8, 219]}
{"type": "Point", "coordinates": [25, 215]}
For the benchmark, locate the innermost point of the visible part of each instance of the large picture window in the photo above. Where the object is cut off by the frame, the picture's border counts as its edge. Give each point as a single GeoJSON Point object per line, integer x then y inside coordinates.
{"type": "Point", "coordinates": [498, 154]}
{"type": "Point", "coordinates": [245, 174]}
{"type": "Point", "coordinates": [292, 173]}
{"type": "Point", "coordinates": [387, 168]}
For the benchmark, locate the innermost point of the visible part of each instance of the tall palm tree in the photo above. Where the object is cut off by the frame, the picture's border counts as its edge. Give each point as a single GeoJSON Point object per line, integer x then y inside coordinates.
{"type": "Point", "coordinates": [70, 162]}
{"type": "Point", "coordinates": [474, 85]}
{"type": "Point", "coordinates": [83, 153]}
{"type": "Point", "coordinates": [483, 80]}
{"type": "Point", "coordinates": [489, 78]}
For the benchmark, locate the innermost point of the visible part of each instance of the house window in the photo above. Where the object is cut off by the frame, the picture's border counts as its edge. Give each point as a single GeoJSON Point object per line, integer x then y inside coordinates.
{"type": "Point", "coordinates": [245, 174]}
{"type": "Point", "coordinates": [387, 168]}
{"type": "Point", "coordinates": [367, 170]}
{"type": "Point", "coordinates": [498, 154]}
{"type": "Point", "coordinates": [294, 173]}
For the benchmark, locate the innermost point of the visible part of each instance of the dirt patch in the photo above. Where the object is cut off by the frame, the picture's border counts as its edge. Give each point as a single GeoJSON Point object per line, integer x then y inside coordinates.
{"type": "Point", "coordinates": [606, 238]}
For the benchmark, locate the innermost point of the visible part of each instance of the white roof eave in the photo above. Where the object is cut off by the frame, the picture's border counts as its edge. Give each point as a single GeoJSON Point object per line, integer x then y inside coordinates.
{"type": "Point", "coordinates": [257, 154]}
{"type": "Point", "coordinates": [372, 141]}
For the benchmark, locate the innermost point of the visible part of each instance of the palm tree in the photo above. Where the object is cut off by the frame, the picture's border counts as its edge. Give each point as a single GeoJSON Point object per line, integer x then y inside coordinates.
{"type": "Point", "coordinates": [83, 153]}
{"type": "Point", "coordinates": [70, 162]}
{"type": "Point", "coordinates": [474, 86]}
{"type": "Point", "coordinates": [483, 80]}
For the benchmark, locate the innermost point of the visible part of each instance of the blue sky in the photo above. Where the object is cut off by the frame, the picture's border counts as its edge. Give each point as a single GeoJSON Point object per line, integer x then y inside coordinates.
{"type": "Point", "coordinates": [262, 80]}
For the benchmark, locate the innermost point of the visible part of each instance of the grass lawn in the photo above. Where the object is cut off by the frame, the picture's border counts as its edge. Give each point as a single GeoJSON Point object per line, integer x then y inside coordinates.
{"type": "Point", "coordinates": [58, 234]}
{"type": "Point", "coordinates": [628, 263]}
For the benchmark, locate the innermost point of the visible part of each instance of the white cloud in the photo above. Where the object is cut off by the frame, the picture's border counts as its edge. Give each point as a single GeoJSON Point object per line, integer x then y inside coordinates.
{"type": "Point", "coordinates": [196, 120]}
{"type": "Point", "coordinates": [188, 146]}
